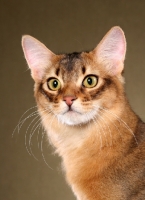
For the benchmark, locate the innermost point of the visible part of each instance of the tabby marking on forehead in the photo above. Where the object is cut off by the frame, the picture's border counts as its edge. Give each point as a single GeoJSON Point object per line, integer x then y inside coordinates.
{"type": "Point", "coordinates": [83, 69]}
{"type": "Point", "coordinates": [57, 71]}
{"type": "Point", "coordinates": [69, 60]}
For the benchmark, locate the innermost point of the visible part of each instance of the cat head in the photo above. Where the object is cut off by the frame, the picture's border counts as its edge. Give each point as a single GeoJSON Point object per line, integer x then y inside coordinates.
{"type": "Point", "coordinates": [74, 87]}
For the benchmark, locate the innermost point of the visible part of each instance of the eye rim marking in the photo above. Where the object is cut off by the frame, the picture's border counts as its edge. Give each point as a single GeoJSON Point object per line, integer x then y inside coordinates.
{"type": "Point", "coordinates": [57, 71]}
{"type": "Point", "coordinates": [87, 85]}
{"type": "Point", "coordinates": [50, 87]}
{"type": "Point", "coordinates": [83, 70]}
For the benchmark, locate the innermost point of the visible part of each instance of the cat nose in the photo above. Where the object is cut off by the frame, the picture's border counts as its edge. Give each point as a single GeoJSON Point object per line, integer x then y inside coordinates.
{"type": "Point", "coordinates": [69, 100]}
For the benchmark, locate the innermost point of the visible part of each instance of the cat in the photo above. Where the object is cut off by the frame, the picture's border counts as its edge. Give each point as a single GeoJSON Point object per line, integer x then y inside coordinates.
{"type": "Point", "coordinates": [87, 117]}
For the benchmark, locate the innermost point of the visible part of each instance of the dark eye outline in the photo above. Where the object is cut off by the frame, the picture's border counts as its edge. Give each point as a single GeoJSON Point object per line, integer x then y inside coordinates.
{"type": "Point", "coordinates": [92, 76]}
{"type": "Point", "coordinates": [50, 86]}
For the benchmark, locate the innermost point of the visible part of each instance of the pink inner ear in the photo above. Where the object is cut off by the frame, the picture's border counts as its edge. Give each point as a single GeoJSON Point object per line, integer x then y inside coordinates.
{"type": "Point", "coordinates": [111, 51]}
{"type": "Point", "coordinates": [37, 75]}
{"type": "Point", "coordinates": [118, 44]}
{"type": "Point", "coordinates": [37, 55]}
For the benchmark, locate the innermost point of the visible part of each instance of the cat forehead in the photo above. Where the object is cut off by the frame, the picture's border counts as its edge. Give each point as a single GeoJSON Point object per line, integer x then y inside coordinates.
{"type": "Point", "coordinates": [69, 61]}
{"type": "Point", "coordinates": [72, 66]}
{"type": "Point", "coordinates": [78, 62]}
{"type": "Point", "coordinates": [68, 66]}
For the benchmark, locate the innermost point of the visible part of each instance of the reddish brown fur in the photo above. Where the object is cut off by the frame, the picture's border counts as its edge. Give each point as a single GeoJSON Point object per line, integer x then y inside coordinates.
{"type": "Point", "coordinates": [110, 172]}
{"type": "Point", "coordinates": [104, 158]}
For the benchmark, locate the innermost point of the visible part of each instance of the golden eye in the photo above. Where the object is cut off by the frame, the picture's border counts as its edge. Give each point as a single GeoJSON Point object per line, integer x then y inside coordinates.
{"type": "Point", "coordinates": [90, 81]}
{"type": "Point", "coordinates": [54, 84]}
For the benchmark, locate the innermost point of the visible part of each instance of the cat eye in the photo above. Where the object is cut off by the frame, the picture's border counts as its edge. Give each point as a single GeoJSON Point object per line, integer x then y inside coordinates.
{"type": "Point", "coordinates": [90, 81]}
{"type": "Point", "coordinates": [53, 84]}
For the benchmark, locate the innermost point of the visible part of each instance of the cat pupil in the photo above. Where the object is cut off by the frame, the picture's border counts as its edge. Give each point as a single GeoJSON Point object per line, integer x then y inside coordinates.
{"type": "Point", "coordinates": [89, 80]}
{"type": "Point", "coordinates": [55, 84]}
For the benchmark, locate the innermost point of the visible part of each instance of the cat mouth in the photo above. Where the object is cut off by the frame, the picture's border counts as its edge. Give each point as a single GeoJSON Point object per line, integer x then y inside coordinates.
{"type": "Point", "coordinates": [71, 111]}
{"type": "Point", "coordinates": [74, 116]}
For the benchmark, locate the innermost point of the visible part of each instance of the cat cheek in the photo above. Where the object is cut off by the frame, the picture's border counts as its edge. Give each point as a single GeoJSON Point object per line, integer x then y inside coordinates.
{"type": "Point", "coordinates": [111, 102]}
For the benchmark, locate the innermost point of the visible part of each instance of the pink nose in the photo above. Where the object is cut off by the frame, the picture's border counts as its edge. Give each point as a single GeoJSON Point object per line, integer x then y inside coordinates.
{"type": "Point", "coordinates": [69, 100]}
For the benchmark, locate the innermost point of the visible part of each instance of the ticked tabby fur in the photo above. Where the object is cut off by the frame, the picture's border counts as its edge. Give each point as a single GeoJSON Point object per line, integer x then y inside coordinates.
{"type": "Point", "coordinates": [85, 112]}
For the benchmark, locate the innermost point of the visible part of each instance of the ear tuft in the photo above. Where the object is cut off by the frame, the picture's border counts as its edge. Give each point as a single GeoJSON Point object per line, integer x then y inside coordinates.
{"type": "Point", "coordinates": [37, 56]}
{"type": "Point", "coordinates": [111, 51]}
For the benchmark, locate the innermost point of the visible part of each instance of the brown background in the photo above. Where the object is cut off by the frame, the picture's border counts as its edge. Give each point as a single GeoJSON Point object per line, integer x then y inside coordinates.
{"type": "Point", "coordinates": [64, 26]}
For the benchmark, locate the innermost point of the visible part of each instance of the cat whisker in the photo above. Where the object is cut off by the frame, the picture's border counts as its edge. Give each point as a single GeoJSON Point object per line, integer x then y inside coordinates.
{"type": "Point", "coordinates": [89, 117]}
{"type": "Point", "coordinates": [30, 137]}
{"type": "Point", "coordinates": [104, 123]}
{"type": "Point", "coordinates": [111, 123]}
{"type": "Point", "coordinates": [105, 132]}
{"type": "Point", "coordinates": [43, 133]}
{"type": "Point", "coordinates": [34, 128]}
{"type": "Point", "coordinates": [100, 136]}
{"type": "Point", "coordinates": [27, 111]}
{"type": "Point", "coordinates": [38, 132]}
{"type": "Point", "coordinates": [102, 129]}
{"type": "Point", "coordinates": [45, 118]}
{"type": "Point", "coordinates": [21, 122]}
{"type": "Point", "coordinates": [120, 121]}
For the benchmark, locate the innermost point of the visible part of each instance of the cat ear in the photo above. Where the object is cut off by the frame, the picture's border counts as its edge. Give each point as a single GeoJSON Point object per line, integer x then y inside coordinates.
{"type": "Point", "coordinates": [37, 56]}
{"type": "Point", "coordinates": [111, 51]}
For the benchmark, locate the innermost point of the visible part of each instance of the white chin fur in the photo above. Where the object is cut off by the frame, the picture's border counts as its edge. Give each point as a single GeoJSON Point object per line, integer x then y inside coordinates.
{"type": "Point", "coordinates": [75, 118]}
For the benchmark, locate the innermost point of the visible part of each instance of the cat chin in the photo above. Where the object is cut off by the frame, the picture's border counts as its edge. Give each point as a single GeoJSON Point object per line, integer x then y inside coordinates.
{"type": "Point", "coordinates": [73, 118]}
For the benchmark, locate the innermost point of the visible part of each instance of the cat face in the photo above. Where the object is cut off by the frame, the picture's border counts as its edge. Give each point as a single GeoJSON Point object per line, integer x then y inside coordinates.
{"type": "Point", "coordinates": [71, 89]}
{"type": "Point", "coordinates": [74, 87]}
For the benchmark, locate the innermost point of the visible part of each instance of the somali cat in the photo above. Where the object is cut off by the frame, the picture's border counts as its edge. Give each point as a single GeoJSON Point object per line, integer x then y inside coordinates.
{"type": "Point", "coordinates": [85, 112]}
